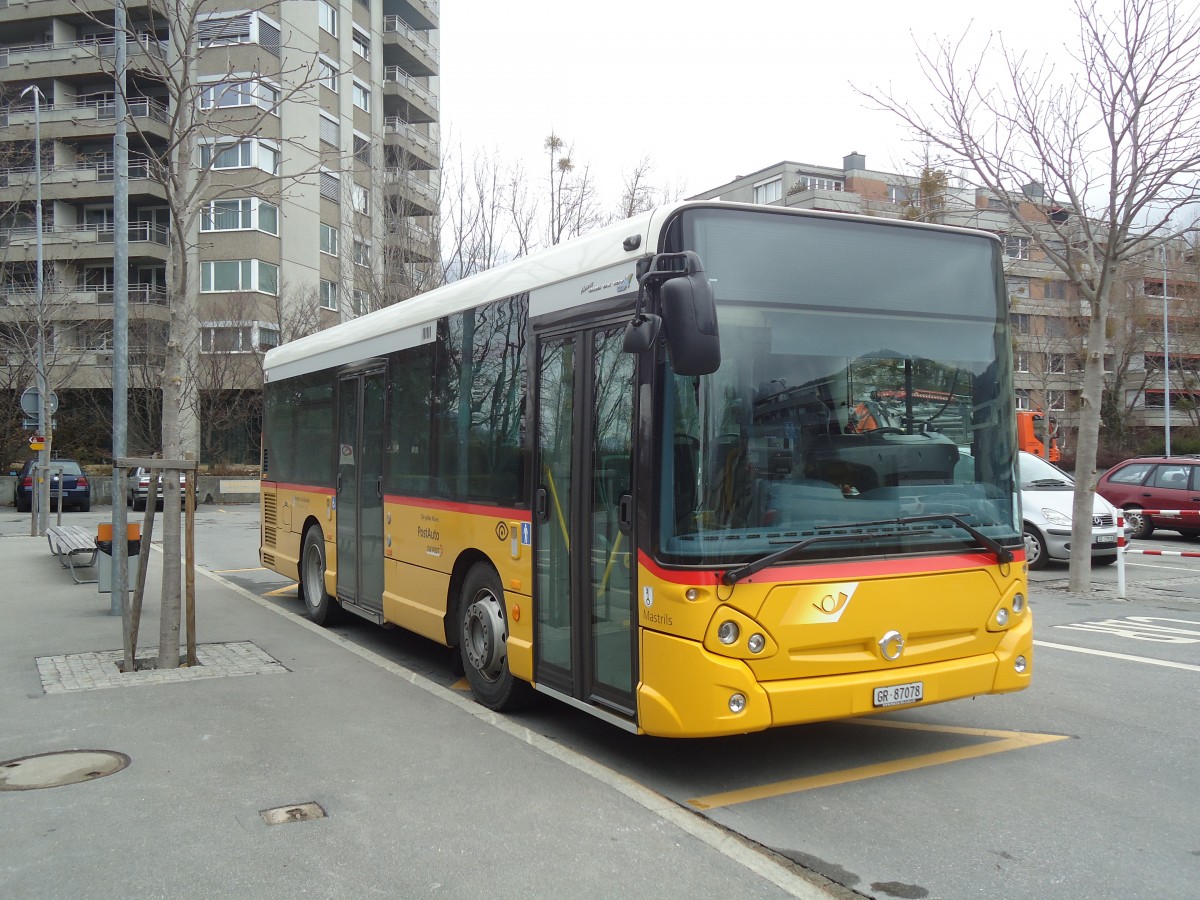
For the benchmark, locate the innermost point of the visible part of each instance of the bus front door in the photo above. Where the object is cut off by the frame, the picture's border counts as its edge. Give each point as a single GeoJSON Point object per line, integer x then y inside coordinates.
{"type": "Point", "coordinates": [361, 439]}
{"type": "Point", "coordinates": [585, 626]}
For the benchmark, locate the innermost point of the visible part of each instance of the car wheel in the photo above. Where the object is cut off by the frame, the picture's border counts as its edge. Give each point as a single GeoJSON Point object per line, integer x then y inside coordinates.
{"type": "Point", "coordinates": [1036, 555]}
{"type": "Point", "coordinates": [483, 641]}
{"type": "Point", "coordinates": [1103, 560]}
{"type": "Point", "coordinates": [1190, 534]}
{"type": "Point", "coordinates": [139, 505]}
{"type": "Point", "coordinates": [86, 505]}
{"type": "Point", "coordinates": [322, 608]}
{"type": "Point", "coordinates": [1140, 525]}
{"type": "Point", "coordinates": [24, 505]}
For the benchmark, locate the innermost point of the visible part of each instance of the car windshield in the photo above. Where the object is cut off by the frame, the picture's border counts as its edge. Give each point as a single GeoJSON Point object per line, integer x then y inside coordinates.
{"type": "Point", "coordinates": [1037, 473]}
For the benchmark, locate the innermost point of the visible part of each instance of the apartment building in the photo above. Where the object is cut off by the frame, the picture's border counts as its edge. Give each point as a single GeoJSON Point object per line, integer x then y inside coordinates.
{"type": "Point", "coordinates": [314, 140]}
{"type": "Point", "coordinates": [1048, 318]}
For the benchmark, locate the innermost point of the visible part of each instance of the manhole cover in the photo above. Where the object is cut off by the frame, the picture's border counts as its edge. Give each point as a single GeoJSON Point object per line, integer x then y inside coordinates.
{"type": "Point", "coordinates": [55, 769]}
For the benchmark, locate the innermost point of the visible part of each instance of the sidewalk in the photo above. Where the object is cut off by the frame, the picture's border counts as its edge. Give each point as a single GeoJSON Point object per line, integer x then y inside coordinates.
{"type": "Point", "coordinates": [424, 793]}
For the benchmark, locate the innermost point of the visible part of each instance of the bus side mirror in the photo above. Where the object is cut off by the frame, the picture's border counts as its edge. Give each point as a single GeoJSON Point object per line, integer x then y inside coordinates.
{"type": "Point", "coordinates": [641, 333]}
{"type": "Point", "coordinates": [690, 311]}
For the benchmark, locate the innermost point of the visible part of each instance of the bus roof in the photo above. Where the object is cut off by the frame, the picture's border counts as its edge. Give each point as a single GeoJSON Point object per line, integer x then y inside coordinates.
{"type": "Point", "coordinates": [591, 252]}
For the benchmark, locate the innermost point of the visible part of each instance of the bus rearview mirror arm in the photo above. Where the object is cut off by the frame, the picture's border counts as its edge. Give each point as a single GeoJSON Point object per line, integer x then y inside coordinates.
{"type": "Point", "coordinates": [689, 312]}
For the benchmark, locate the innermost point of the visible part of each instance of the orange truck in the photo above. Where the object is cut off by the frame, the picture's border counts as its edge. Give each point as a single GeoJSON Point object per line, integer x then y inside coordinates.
{"type": "Point", "coordinates": [1032, 433]}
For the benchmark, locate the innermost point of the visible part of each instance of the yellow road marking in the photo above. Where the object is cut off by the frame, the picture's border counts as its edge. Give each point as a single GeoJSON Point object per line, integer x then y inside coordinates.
{"type": "Point", "coordinates": [1002, 741]}
{"type": "Point", "coordinates": [283, 590]}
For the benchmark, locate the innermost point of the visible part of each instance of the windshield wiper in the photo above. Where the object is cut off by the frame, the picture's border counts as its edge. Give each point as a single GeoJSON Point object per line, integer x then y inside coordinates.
{"type": "Point", "coordinates": [733, 576]}
{"type": "Point", "coordinates": [1049, 482]}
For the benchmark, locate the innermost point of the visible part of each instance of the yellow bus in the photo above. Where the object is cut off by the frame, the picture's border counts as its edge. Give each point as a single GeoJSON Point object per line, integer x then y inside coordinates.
{"type": "Point", "coordinates": [625, 472]}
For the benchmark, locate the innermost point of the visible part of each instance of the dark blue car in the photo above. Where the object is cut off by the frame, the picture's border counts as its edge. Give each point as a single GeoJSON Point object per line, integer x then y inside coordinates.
{"type": "Point", "coordinates": [76, 489]}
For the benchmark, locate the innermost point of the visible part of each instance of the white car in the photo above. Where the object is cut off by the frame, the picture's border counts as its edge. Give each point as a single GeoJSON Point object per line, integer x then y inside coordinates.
{"type": "Point", "coordinates": [1047, 493]}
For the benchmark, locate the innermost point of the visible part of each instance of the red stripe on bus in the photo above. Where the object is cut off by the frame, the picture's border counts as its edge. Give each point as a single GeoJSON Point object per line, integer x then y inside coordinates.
{"type": "Point", "coordinates": [841, 571]}
{"type": "Point", "coordinates": [312, 489]}
{"type": "Point", "coordinates": [478, 509]}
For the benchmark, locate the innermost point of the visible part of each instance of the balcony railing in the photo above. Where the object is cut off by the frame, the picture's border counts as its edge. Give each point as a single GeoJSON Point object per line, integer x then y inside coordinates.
{"type": "Point", "coordinates": [139, 108]}
{"type": "Point", "coordinates": [414, 185]}
{"type": "Point", "coordinates": [139, 232]}
{"type": "Point", "coordinates": [141, 294]}
{"type": "Point", "coordinates": [100, 170]}
{"type": "Point", "coordinates": [398, 76]}
{"type": "Point", "coordinates": [101, 47]}
{"type": "Point", "coordinates": [396, 125]}
{"type": "Point", "coordinates": [396, 25]}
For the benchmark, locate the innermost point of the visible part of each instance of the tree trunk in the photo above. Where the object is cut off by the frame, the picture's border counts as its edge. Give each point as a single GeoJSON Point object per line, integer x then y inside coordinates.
{"type": "Point", "coordinates": [1086, 445]}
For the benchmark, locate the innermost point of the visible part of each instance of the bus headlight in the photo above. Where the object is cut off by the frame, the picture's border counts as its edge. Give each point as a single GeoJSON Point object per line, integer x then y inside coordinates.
{"type": "Point", "coordinates": [1020, 665]}
{"type": "Point", "coordinates": [1002, 617]}
{"type": "Point", "coordinates": [1018, 603]}
{"type": "Point", "coordinates": [728, 633]}
{"type": "Point", "coordinates": [755, 643]}
{"type": "Point", "coordinates": [737, 703]}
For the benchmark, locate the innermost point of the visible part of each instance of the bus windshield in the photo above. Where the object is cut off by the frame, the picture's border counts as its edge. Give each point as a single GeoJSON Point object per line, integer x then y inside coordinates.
{"type": "Point", "coordinates": [864, 392]}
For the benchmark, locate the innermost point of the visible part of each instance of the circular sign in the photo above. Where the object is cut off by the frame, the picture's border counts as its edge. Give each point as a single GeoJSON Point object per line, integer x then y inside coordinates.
{"type": "Point", "coordinates": [31, 402]}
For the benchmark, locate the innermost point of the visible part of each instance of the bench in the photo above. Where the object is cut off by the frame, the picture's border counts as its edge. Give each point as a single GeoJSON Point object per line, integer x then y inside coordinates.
{"type": "Point", "coordinates": [71, 543]}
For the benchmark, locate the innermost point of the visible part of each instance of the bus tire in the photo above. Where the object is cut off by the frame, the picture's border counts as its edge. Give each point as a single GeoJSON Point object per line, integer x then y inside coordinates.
{"type": "Point", "coordinates": [321, 608]}
{"type": "Point", "coordinates": [483, 641]}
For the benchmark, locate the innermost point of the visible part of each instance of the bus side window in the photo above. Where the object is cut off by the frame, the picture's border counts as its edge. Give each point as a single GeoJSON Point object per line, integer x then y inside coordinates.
{"type": "Point", "coordinates": [686, 468]}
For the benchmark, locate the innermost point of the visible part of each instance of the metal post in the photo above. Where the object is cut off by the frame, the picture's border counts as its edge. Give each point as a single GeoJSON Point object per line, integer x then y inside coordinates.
{"type": "Point", "coordinates": [119, 600]}
{"type": "Point", "coordinates": [1166, 364]}
{"type": "Point", "coordinates": [42, 486]}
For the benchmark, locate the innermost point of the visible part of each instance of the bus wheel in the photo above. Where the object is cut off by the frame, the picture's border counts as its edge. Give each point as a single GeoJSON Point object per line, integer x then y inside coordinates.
{"type": "Point", "coordinates": [483, 641]}
{"type": "Point", "coordinates": [321, 608]}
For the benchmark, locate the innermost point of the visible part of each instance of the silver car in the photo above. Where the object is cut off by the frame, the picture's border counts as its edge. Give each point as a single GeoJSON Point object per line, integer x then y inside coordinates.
{"type": "Point", "coordinates": [137, 488]}
{"type": "Point", "coordinates": [1047, 493]}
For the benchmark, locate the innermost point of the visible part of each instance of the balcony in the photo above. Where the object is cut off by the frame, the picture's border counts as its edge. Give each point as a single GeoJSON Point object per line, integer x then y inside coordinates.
{"type": "Point", "coordinates": [421, 148]}
{"type": "Point", "coordinates": [408, 242]}
{"type": "Point", "coordinates": [409, 48]}
{"type": "Point", "coordinates": [404, 96]}
{"type": "Point", "coordinates": [140, 295]}
{"type": "Point", "coordinates": [88, 180]}
{"type": "Point", "coordinates": [90, 118]}
{"type": "Point", "coordinates": [147, 241]}
{"type": "Point", "coordinates": [12, 11]}
{"type": "Point", "coordinates": [420, 197]}
{"type": "Point", "coordinates": [84, 59]}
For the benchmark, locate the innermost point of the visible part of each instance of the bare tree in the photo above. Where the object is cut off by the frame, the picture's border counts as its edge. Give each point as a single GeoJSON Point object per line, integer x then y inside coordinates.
{"type": "Point", "coordinates": [1110, 154]}
{"type": "Point", "coordinates": [572, 194]}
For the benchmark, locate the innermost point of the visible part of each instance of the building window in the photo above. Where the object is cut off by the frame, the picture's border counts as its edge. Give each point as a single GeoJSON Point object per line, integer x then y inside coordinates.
{"type": "Point", "coordinates": [362, 96]}
{"type": "Point", "coordinates": [1056, 363]}
{"type": "Point", "coordinates": [327, 73]}
{"type": "Point", "coordinates": [1055, 289]}
{"type": "Point", "coordinates": [217, 32]}
{"type": "Point", "coordinates": [231, 275]}
{"type": "Point", "coordinates": [247, 154]}
{"type": "Point", "coordinates": [329, 131]}
{"type": "Point", "coordinates": [328, 293]}
{"type": "Point", "coordinates": [1016, 246]}
{"type": "Point", "coordinates": [1017, 287]}
{"type": "Point", "coordinates": [768, 191]}
{"type": "Point", "coordinates": [361, 302]}
{"type": "Point", "coordinates": [1020, 322]}
{"type": "Point", "coordinates": [903, 193]}
{"type": "Point", "coordinates": [240, 92]}
{"type": "Point", "coordinates": [362, 149]}
{"type": "Point", "coordinates": [816, 183]}
{"type": "Point", "coordinates": [241, 214]}
{"type": "Point", "coordinates": [327, 17]}
{"type": "Point", "coordinates": [1021, 361]}
{"type": "Point", "coordinates": [362, 43]}
{"type": "Point", "coordinates": [329, 239]}
{"type": "Point", "coordinates": [362, 253]}
{"type": "Point", "coordinates": [360, 199]}
{"type": "Point", "coordinates": [1056, 400]}
{"type": "Point", "coordinates": [331, 187]}
{"type": "Point", "coordinates": [1023, 400]}
{"type": "Point", "coordinates": [240, 337]}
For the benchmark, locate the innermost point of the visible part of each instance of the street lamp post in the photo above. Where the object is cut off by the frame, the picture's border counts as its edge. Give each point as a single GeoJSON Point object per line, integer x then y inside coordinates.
{"type": "Point", "coordinates": [1166, 364]}
{"type": "Point", "coordinates": [37, 523]}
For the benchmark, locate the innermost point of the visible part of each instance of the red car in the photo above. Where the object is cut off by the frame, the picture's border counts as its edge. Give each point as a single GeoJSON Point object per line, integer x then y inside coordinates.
{"type": "Point", "coordinates": [1155, 482]}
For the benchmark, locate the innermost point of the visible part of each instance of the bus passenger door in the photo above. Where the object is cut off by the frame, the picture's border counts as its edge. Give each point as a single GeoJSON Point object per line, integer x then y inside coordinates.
{"type": "Point", "coordinates": [361, 441]}
{"type": "Point", "coordinates": [585, 624]}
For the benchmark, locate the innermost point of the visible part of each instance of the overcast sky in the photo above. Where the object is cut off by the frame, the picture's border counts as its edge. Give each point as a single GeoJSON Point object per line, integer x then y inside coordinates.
{"type": "Point", "coordinates": [707, 90]}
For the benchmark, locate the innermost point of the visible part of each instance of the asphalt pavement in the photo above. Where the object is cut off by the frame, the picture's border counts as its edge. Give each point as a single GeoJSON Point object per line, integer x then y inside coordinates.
{"type": "Point", "coordinates": [291, 762]}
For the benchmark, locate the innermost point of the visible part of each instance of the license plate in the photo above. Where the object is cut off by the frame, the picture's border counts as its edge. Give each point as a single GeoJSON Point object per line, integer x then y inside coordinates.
{"type": "Point", "coordinates": [1106, 539]}
{"type": "Point", "coordinates": [900, 694]}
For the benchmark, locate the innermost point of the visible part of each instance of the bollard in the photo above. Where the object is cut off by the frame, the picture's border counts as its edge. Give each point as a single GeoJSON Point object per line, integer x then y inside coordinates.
{"type": "Point", "coordinates": [1120, 557]}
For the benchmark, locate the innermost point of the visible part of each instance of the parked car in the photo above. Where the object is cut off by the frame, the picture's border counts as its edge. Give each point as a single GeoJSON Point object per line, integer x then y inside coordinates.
{"type": "Point", "coordinates": [137, 488]}
{"type": "Point", "coordinates": [1047, 495]}
{"type": "Point", "coordinates": [1155, 482]}
{"type": "Point", "coordinates": [76, 489]}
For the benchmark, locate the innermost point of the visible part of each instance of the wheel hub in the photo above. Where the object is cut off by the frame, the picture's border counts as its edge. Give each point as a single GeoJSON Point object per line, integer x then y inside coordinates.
{"type": "Point", "coordinates": [485, 636]}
